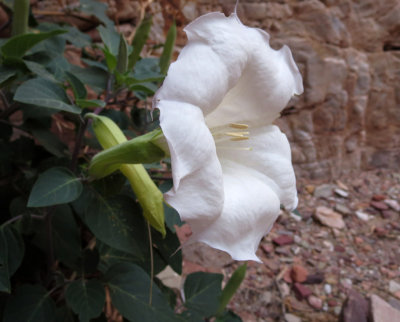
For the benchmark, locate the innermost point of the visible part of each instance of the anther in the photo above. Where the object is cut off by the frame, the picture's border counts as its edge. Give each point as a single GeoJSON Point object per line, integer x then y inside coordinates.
{"type": "Point", "coordinates": [242, 138]}
{"type": "Point", "coordinates": [239, 126]}
{"type": "Point", "coordinates": [237, 134]}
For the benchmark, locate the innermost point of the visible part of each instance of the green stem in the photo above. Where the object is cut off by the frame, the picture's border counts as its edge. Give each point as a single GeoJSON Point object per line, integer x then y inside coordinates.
{"type": "Point", "coordinates": [151, 263]}
{"type": "Point", "coordinates": [20, 17]}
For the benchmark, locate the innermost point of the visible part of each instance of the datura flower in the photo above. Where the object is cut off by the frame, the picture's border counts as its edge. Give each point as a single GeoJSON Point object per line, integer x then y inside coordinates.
{"type": "Point", "coordinates": [231, 166]}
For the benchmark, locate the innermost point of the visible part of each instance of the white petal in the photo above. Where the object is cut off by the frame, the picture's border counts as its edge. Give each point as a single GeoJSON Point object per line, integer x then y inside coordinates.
{"type": "Point", "coordinates": [250, 209]}
{"type": "Point", "coordinates": [197, 193]}
{"type": "Point", "coordinates": [270, 156]}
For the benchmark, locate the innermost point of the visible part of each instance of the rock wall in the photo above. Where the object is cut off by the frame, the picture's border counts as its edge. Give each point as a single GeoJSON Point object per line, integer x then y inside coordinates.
{"type": "Point", "coordinates": [349, 55]}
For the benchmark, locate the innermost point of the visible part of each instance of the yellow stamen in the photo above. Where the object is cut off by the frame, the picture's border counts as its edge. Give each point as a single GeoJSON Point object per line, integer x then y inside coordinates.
{"type": "Point", "coordinates": [237, 134]}
{"type": "Point", "coordinates": [242, 138]}
{"type": "Point", "coordinates": [239, 126]}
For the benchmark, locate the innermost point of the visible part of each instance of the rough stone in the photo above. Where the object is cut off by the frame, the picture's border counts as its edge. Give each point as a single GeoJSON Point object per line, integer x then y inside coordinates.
{"type": "Point", "coordinates": [355, 308]}
{"type": "Point", "coordinates": [301, 291]}
{"type": "Point", "coordinates": [330, 218]}
{"type": "Point", "coordinates": [382, 311]}
{"type": "Point", "coordinates": [283, 240]}
{"type": "Point", "coordinates": [315, 302]}
{"type": "Point", "coordinates": [379, 205]}
{"type": "Point", "coordinates": [299, 273]}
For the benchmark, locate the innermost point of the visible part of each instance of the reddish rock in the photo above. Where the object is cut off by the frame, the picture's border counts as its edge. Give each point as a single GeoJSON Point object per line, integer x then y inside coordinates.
{"type": "Point", "coordinates": [355, 308]}
{"type": "Point", "coordinates": [332, 303]}
{"type": "Point", "coordinates": [387, 214]}
{"type": "Point", "coordinates": [315, 302]}
{"type": "Point", "coordinates": [329, 217]}
{"type": "Point", "coordinates": [299, 273]}
{"type": "Point", "coordinates": [301, 291]}
{"type": "Point", "coordinates": [315, 279]}
{"type": "Point", "coordinates": [287, 277]}
{"type": "Point", "coordinates": [380, 231]}
{"type": "Point", "coordinates": [283, 240]}
{"type": "Point", "coordinates": [267, 248]}
{"type": "Point", "coordinates": [339, 249]}
{"type": "Point", "coordinates": [378, 197]}
{"type": "Point", "coordinates": [379, 205]}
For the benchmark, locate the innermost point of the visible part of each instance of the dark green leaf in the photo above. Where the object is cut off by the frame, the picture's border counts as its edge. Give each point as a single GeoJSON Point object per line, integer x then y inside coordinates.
{"type": "Point", "coordinates": [202, 292]}
{"type": "Point", "coordinates": [95, 77]}
{"type": "Point", "coordinates": [168, 249]}
{"type": "Point", "coordinates": [12, 250]}
{"type": "Point", "coordinates": [116, 220]}
{"type": "Point", "coordinates": [30, 303]}
{"type": "Point", "coordinates": [42, 92]}
{"type": "Point", "coordinates": [50, 141]}
{"type": "Point", "coordinates": [129, 289]}
{"type": "Point", "coordinates": [86, 298]}
{"type": "Point", "coordinates": [89, 103]}
{"type": "Point", "coordinates": [76, 37]}
{"type": "Point", "coordinates": [168, 49]}
{"type": "Point", "coordinates": [228, 316]}
{"type": "Point", "coordinates": [122, 61]}
{"type": "Point", "coordinates": [141, 35]}
{"type": "Point", "coordinates": [110, 38]}
{"type": "Point", "coordinates": [89, 261]}
{"type": "Point", "coordinates": [17, 46]}
{"type": "Point", "coordinates": [147, 69]}
{"type": "Point", "coordinates": [65, 235]}
{"type": "Point", "coordinates": [39, 70]}
{"type": "Point", "coordinates": [53, 187]}
{"type": "Point", "coordinates": [77, 86]}
{"type": "Point", "coordinates": [6, 73]}
{"type": "Point", "coordinates": [98, 9]}
{"type": "Point", "coordinates": [64, 314]}
{"type": "Point", "coordinates": [231, 287]}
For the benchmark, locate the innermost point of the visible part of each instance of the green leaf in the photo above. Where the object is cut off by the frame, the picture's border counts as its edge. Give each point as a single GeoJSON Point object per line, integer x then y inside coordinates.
{"type": "Point", "coordinates": [17, 46]}
{"type": "Point", "coordinates": [89, 103]}
{"type": "Point", "coordinates": [53, 187]}
{"type": "Point", "coordinates": [228, 316]}
{"type": "Point", "coordinates": [141, 35]}
{"type": "Point", "coordinates": [122, 61]}
{"type": "Point", "coordinates": [110, 38]}
{"type": "Point", "coordinates": [167, 248]}
{"type": "Point", "coordinates": [231, 287]}
{"type": "Point", "coordinates": [42, 92]}
{"type": "Point", "coordinates": [86, 298]}
{"type": "Point", "coordinates": [39, 70]}
{"type": "Point", "coordinates": [116, 220]}
{"type": "Point", "coordinates": [76, 37]}
{"type": "Point", "coordinates": [98, 9]}
{"type": "Point", "coordinates": [65, 234]}
{"type": "Point", "coordinates": [64, 314]}
{"type": "Point", "coordinates": [30, 303]}
{"type": "Point", "coordinates": [147, 70]}
{"type": "Point", "coordinates": [168, 49]}
{"type": "Point", "coordinates": [202, 292]}
{"type": "Point", "coordinates": [6, 73]}
{"type": "Point", "coordinates": [129, 289]}
{"type": "Point", "coordinates": [95, 77]}
{"type": "Point", "coordinates": [50, 141]}
{"type": "Point", "coordinates": [12, 250]}
{"type": "Point", "coordinates": [77, 86]}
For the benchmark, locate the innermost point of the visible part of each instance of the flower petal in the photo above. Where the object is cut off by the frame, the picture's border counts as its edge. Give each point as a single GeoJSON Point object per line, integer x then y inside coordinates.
{"type": "Point", "coordinates": [270, 156]}
{"type": "Point", "coordinates": [250, 209]}
{"type": "Point", "coordinates": [197, 193]}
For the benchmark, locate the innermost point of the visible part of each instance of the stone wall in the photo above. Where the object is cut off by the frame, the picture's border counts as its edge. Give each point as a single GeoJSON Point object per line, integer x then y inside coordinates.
{"type": "Point", "coordinates": [349, 55]}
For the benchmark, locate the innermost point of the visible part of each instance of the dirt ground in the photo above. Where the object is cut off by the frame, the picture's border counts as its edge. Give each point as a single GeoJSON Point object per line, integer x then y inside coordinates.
{"type": "Point", "coordinates": [309, 267]}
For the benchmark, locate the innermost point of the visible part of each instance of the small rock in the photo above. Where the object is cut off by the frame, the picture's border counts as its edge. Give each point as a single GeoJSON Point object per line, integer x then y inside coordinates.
{"type": "Point", "coordinates": [344, 210]}
{"type": "Point", "coordinates": [310, 188]}
{"type": "Point", "coordinates": [393, 204]}
{"type": "Point", "coordinates": [325, 307]}
{"type": "Point", "coordinates": [383, 311]}
{"type": "Point", "coordinates": [328, 289]}
{"type": "Point", "coordinates": [295, 216]}
{"type": "Point", "coordinates": [267, 248]}
{"type": "Point", "coordinates": [332, 303]}
{"type": "Point", "coordinates": [282, 251]}
{"type": "Point", "coordinates": [299, 273]}
{"type": "Point", "coordinates": [301, 291]}
{"type": "Point", "coordinates": [295, 250]}
{"type": "Point", "coordinates": [317, 278]}
{"type": "Point", "coordinates": [297, 239]}
{"type": "Point", "coordinates": [283, 240]}
{"type": "Point", "coordinates": [266, 298]}
{"type": "Point", "coordinates": [287, 277]}
{"type": "Point", "coordinates": [315, 302]}
{"type": "Point", "coordinates": [292, 318]}
{"type": "Point", "coordinates": [394, 287]}
{"type": "Point", "coordinates": [379, 205]}
{"type": "Point", "coordinates": [342, 193]}
{"type": "Point", "coordinates": [380, 231]}
{"type": "Point", "coordinates": [340, 249]}
{"type": "Point", "coordinates": [285, 290]}
{"type": "Point", "coordinates": [355, 308]}
{"type": "Point", "coordinates": [329, 217]}
{"type": "Point", "coordinates": [387, 214]}
{"type": "Point", "coordinates": [346, 283]}
{"type": "Point", "coordinates": [378, 197]}
{"type": "Point", "coordinates": [328, 245]}
{"type": "Point", "coordinates": [394, 302]}
{"type": "Point", "coordinates": [362, 215]}
{"type": "Point", "coordinates": [324, 191]}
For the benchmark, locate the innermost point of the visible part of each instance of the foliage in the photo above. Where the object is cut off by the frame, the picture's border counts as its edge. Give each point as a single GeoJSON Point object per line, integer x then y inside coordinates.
{"type": "Point", "coordinates": [67, 240]}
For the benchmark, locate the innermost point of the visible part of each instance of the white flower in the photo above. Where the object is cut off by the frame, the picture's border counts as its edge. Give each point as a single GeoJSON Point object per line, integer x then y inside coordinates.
{"type": "Point", "coordinates": [231, 167]}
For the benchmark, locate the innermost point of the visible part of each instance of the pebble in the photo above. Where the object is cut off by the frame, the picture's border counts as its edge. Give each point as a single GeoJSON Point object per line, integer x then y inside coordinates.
{"type": "Point", "coordinates": [292, 318]}
{"type": "Point", "coordinates": [315, 302]}
{"type": "Point", "coordinates": [378, 197]}
{"type": "Point", "coordinates": [346, 283]}
{"type": "Point", "coordinates": [344, 210]}
{"type": "Point", "coordinates": [362, 215]}
{"type": "Point", "coordinates": [297, 239]}
{"type": "Point", "coordinates": [393, 204]}
{"type": "Point", "coordinates": [324, 191]}
{"type": "Point", "coordinates": [387, 214]}
{"type": "Point", "coordinates": [283, 240]}
{"type": "Point", "coordinates": [383, 311]}
{"type": "Point", "coordinates": [301, 291]}
{"type": "Point", "coordinates": [317, 278]}
{"type": "Point", "coordinates": [328, 289]}
{"type": "Point", "coordinates": [394, 287]}
{"type": "Point", "coordinates": [299, 273]}
{"type": "Point", "coordinates": [329, 217]}
{"type": "Point", "coordinates": [342, 193]}
{"type": "Point", "coordinates": [379, 205]}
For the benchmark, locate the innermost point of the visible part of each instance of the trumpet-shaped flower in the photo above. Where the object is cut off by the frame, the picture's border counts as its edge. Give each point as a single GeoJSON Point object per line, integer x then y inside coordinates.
{"type": "Point", "coordinates": [231, 167]}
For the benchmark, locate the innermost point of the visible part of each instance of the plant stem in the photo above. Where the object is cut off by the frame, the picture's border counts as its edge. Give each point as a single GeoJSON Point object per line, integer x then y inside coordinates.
{"type": "Point", "coordinates": [20, 17]}
{"type": "Point", "coordinates": [151, 263]}
{"type": "Point", "coordinates": [13, 219]}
